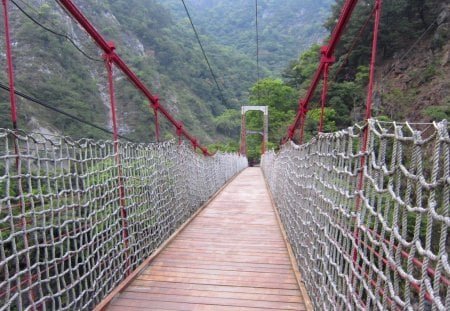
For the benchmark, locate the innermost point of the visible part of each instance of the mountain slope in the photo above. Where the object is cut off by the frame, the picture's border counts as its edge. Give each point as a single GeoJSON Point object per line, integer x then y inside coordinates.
{"type": "Point", "coordinates": [165, 57]}
{"type": "Point", "coordinates": [155, 39]}
{"type": "Point", "coordinates": [286, 28]}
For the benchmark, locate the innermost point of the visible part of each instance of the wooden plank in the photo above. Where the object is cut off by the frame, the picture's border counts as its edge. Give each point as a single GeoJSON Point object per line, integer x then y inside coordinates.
{"type": "Point", "coordinates": [225, 266]}
{"type": "Point", "coordinates": [213, 271]}
{"type": "Point", "coordinates": [225, 275]}
{"type": "Point", "coordinates": [219, 301]}
{"type": "Point", "coordinates": [231, 257]}
{"type": "Point", "coordinates": [219, 281]}
{"type": "Point", "coordinates": [220, 288]}
{"type": "Point", "coordinates": [183, 291]}
{"type": "Point", "coordinates": [165, 305]}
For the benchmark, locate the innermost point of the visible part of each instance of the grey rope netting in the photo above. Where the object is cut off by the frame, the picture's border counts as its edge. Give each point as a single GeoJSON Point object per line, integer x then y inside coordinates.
{"type": "Point", "coordinates": [76, 217]}
{"type": "Point", "coordinates": [385, 246]}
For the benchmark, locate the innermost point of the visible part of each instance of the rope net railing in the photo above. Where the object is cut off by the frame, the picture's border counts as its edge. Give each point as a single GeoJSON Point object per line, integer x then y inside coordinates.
{"type": "Point", "coordinates": [382, 247]}
{"type": "Point", "coordinates": [76, 217]}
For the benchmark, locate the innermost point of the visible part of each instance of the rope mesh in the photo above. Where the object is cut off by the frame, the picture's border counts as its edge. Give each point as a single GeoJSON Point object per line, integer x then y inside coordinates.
{"type": "Point", "coordinates": [76, 217]}
{"type": "Point", "coordinates": [382, 247]}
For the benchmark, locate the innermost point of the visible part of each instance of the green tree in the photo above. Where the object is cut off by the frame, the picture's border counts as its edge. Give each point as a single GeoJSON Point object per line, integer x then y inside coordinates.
{"type": "Point", "coordinates": [300, 72]}
{"type": "Point", "coordinates": [229, 122]}
{"type": "Point", "coordinates": [281, 100]}
{"type": "Point", "coordinates": [313, 121]}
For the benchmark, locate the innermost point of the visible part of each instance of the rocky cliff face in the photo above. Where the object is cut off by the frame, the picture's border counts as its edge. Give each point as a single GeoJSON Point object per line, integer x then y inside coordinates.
{"type": "Point", "coordinates": [415, 84]}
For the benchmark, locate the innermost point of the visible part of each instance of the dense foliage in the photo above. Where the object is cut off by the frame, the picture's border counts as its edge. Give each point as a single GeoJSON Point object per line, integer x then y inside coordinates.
{"type": "Point", "coordinates": [412, 42]}
{"type": "Point", "coordinates": [404, 25]}
{"type": "Point", "coordinates": [285, 27]}
{"type": "Point", "coordinates": [156, 39]}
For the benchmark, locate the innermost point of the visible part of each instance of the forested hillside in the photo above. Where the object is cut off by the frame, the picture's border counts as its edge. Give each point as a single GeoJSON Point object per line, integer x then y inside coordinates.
{"type": "Point", "coordinates": [413, 69]}
{"type": "Point", "coordinates": [286, 28]}
{"type": "Point", "coordinates": [162, 51]}
{"type": "Point", "coordinates": [156, 39]}
{"type": "Point", "coordinates": [412, 81]}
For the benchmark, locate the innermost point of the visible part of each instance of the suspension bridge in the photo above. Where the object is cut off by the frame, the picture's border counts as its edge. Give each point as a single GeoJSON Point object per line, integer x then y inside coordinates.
{"type": "Point", "coordinates": [353, 220]}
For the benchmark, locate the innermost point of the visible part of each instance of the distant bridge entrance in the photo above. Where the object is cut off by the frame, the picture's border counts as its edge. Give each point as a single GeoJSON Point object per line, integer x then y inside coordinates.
{"type": "Point", "coordinates": [244, 132]}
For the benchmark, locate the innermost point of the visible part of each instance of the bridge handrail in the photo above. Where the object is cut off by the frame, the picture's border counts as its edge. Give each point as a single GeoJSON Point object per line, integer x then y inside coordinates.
{"type": "Point", "coordinates": [75, 221]}
{"type": "Point", "coordinates": [385, 246]}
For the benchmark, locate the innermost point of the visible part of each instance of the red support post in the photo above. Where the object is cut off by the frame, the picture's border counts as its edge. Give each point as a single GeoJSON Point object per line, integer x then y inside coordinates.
{"type": "Point", "coordinates": [303, 112]}
{"type": "Point", "coordinates": [155, 111]}
{"type": "Point", "coordinates": [335, 37]}
{"type": "Point", "coordinates": [179, 131]}
{"type": "Point", "coordinates": [373, 59]}
{"type": "Point", "coordinates": [327, 60]}
{"type": "Point", "coordinates": [109, 66]}
{"type": "Point", "coordinates": [291, 133]}
{"type": "Point", "coordinates": [204, 151]}
{"type": "Point", "coordinates": [366, 129]}
{"type": "Point", "coordinates": [12, 95]}
{"type": "Point", "coordinates": [293, 126]}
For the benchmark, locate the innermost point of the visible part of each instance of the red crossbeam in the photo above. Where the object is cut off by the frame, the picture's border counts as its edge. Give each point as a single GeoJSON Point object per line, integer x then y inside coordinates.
{"type": "Point", "coordinates": [108, 48]}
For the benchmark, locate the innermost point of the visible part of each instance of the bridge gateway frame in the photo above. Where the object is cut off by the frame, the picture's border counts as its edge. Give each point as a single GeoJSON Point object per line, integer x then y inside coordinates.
{"type": "Point", "coordinates": [244, 132]}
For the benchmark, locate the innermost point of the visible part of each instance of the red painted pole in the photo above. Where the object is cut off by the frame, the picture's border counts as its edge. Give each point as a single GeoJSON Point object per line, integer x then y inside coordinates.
{"type": "Point", "coordinates": [324, 96]}
{"type": "Point", "coordinates": [12, 96]}
{"type": "Point", "coordinates": [303, 112]}
{"type": "Point", "coordinates": [179, 131]}
{"type": "Point", "coordinates": [366, 129]}
{"type": "Point", "coordinates": [335, 37]}
{"type": "Point", "coordinates": [112, 98]}
{"type": "Point", "coordinates": [373, 59]}
{"type": "Point", "coordinates": [327, 60]}
{"type": "Point", "coordinates": [123, 212]}
{"type": "Point", "coordinates": [155, 111]}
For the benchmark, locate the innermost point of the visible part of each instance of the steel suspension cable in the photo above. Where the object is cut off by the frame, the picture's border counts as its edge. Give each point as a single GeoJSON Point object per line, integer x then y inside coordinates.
{"type": "Point", "coordinates": [41, 103]}
{"type": "Point", "coordinates": [55, 33]}
{"type": "Point", "coordinates": [402, 57]}
{"type": "Point", "coordinates": [204, 53]}
{"type": "Point", "coordinates": [355, 41]}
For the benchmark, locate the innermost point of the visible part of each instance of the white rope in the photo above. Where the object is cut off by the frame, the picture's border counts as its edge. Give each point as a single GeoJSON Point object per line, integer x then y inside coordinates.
{"type": "Point", "coordinates": [68, 234]}
{"type": "Point", "coordinates": [390, 250]}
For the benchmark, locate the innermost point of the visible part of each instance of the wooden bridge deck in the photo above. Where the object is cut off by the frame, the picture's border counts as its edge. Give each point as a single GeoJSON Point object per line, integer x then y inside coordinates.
{"type": "Point", "coordinates": [232, 256]}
